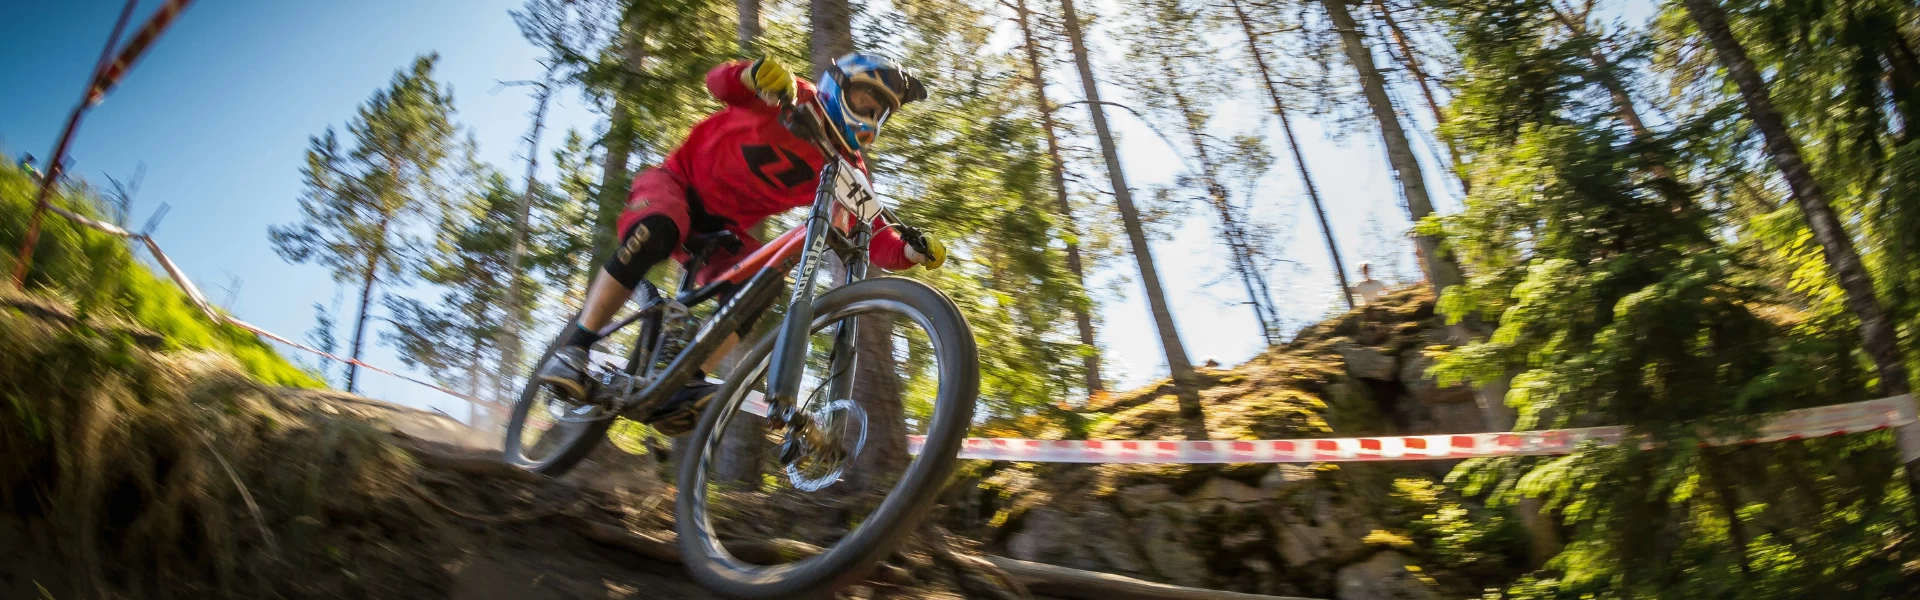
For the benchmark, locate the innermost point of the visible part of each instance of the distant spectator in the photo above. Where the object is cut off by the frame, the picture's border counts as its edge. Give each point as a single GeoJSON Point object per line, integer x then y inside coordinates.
{"type": "Point", "coordinates": [1369, 288]}
{"type": "Point", "coordinates": [26, 164]}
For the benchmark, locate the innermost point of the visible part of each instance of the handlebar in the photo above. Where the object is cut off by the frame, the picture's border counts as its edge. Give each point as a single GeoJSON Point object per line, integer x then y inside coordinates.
{"type": "Point", "coordinates": [806, 124]}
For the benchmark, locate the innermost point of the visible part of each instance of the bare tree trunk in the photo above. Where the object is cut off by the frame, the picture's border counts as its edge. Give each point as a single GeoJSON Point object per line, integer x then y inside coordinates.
{"type": "Point", "coordinates": [877, 390]}
{"type": "Point", "coordinates": [510, 342]}
{"type": "Point", "coordinates": [1293, 145]}
{"type": "Point", "coordinates": [1411, 61]}
{"type": "Point", "coordinates": [748, 27]}
{"type": "Point", "coordinates": [366, 300]}
{"type": "Point", "coordinates": [1876, 330]}
{"type": "Point", "coordinates": [1441, 271]}
{"type": "Point", "coordinates": [1176, 352]}
{"type": "Point", "coordinates": [876, 386]}
{"type": "Point", "coordinates": [1063, 209]}
{"type": "Point", "coordinates": [1238, 242]}
{"type": "Point", "coordinates": [1603, 68]}
{"type": "Point", "coordinates": [360, 325]}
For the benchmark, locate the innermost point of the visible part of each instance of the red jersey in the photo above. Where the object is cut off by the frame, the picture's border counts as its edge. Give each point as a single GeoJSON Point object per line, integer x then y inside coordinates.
{"type": "Point", "coordinates": [742, 164]}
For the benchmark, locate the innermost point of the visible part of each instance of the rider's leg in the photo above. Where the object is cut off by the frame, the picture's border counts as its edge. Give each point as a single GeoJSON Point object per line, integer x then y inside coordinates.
{"type": "Point", "coordinates": [646, 243]}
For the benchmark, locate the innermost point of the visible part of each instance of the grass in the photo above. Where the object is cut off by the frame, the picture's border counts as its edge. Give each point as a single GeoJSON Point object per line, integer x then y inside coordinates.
{"type": "Point", "coordinates": [98, 274]}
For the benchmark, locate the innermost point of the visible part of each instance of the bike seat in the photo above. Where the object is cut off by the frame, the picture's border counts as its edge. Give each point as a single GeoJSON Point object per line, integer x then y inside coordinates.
{"type": "Point", "coordinates": [702, 244]}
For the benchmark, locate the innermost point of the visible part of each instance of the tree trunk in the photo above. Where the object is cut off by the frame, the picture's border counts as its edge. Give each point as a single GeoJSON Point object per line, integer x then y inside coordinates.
{"type": "Point", "coordinates": [1622, 101]}
{"type": "Point", "coordinates": [1176, 352]}
{"type": "Point", "coordinates": [510, 337]}
{"type": "Point", "coordinates": [877, 390]}
{"type": "Point", "coordinates": [1293, 145]}
{"type": "Point", "coordinates": [1057, 169]}
{"type": "Point", "coordinates": [748, 27]}
{"type": "Point", "coordinates": [1231, 228]}
{"type": "Point", "coordinates": [1441, 271]}
{"type": "Point", "coordinates": [1603, 68]}
{"type": "Point", "coordinates": [832, 37]}
{"type": "Point", "coordinates": [371, 278]}
{"type": "Point", "coordinates": [619, 142]}
{"type": "Point", "coordinates": [1412, 63]}
{"type": "Point", "coordinates": [1876, 330]}
{"type": "Point", "coordinates": [876, 387]}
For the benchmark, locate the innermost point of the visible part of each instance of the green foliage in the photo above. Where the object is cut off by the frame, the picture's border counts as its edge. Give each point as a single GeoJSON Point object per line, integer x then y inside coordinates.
{"type": "Point", "coordinates": [1853, 101]}
{"type": "Point", "coordinates": [362, 200]}
{"type": "Point", "coordinates": [99, 274]}
{"type": "Point", "coordinates": [458, 339]}
{"type": "Point", "coordinates": [1620, 300]}
{"type": "Point", "coordinates": [969, 165]}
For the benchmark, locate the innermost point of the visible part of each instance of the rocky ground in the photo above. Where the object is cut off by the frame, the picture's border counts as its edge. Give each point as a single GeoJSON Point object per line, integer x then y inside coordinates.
{"type": "Point", "coordinates": [1315, 530]}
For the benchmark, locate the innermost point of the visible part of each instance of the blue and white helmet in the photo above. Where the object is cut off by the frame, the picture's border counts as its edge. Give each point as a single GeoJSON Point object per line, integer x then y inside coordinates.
{"type": "Point", "coordinates": [892, 85]}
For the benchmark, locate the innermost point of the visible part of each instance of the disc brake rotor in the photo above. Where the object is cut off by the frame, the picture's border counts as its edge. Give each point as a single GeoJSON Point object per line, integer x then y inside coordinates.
{"type": "Point", "coordinates": [843, 425]}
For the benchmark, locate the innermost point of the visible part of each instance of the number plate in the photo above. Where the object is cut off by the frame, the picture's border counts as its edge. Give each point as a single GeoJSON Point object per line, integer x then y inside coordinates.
{"type": "Point", "coordinates": [851, 189]}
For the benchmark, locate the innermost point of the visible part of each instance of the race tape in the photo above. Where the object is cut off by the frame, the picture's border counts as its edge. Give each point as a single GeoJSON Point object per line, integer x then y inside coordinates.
{"type": "Point", "coordinates": [1821, 421]}
{"type": "Point", "coordinates": [199, 300]}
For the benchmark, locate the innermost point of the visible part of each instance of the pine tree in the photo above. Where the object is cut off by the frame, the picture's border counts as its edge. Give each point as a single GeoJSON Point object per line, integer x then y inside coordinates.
{"type": "Point", "coordinates": [361, 200]}
{"type": "Point", "coordinates": [1877, 331]}
{"type": "Point", "coordinates": [1168, 49]}
{"type": "Point", "coordinates": [1618, 305]}
{"type": "Point", "coordinates": [1441, 270]}
{"type": "Point", "coordinates": [1265, 74]}
{"type": "Point", "coordinates": [1176, 352]}
{"type": "Point", "coordinates": [458, 337]}
{"type": "Point", "coordinates": [1063, 208]}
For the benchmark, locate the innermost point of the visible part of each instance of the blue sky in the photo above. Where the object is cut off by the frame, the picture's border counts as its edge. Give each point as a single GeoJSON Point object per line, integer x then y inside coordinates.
{"type": "Point", "coordinates": [220, 110]}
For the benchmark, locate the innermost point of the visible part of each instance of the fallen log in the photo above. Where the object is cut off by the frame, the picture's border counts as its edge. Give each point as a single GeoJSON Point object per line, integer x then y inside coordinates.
{"type": "Point", "coordinates": [1075, 584]}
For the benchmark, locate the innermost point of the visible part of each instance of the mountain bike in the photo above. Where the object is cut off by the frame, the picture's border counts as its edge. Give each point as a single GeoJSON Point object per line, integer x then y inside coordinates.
{"type": "Point", "coordinates": [782, 493]}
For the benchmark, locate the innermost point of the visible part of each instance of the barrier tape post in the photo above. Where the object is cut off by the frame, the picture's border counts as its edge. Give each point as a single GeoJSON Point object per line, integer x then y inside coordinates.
{"type": "Point", "coordinates": [56, 163]}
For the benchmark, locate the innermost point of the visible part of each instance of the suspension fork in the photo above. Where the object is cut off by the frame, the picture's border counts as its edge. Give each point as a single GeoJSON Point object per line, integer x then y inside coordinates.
{"type": "Point", "coordinates": [790, 347]}
{"type": "Point", "coordinates": [846, 336]}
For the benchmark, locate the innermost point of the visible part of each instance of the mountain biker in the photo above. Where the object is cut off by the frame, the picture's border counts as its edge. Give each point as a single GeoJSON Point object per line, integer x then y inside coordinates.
{"type": "Point", "coordinates": [736, 168]}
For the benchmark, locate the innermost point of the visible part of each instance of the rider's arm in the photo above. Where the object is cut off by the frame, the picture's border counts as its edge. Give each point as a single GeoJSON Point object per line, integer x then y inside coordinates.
{"type": "Point", "coordinates": [725, 84]}
{"type": "Point", "coordinates": [887, 250]}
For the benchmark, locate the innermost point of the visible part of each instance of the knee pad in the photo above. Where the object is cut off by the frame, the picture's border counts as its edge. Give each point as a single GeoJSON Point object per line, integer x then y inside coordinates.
{"type": "Point", "coordinates": [645, 244]}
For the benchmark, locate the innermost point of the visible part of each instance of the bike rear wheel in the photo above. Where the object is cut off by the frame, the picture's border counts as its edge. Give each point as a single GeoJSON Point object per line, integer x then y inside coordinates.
{"type": "Point", "coordinates": [860, 517]}
{"type": "Point", "coordinates": [547, 434]}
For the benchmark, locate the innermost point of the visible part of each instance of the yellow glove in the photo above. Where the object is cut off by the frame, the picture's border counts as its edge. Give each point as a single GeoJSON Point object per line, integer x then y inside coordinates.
{"type": "Point", "coordinates": [923, 249]}
{"type": "Point", "coordinates": [768, 78]}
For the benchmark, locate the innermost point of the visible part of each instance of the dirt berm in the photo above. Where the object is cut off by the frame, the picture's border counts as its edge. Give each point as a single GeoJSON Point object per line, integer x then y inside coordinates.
{"type": "Point", "coordinates": [130, 468]}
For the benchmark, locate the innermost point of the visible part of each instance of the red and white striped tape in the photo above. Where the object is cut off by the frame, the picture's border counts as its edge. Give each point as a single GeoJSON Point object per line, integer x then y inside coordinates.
{"type": "Point", "coordinates": [1821, 421]}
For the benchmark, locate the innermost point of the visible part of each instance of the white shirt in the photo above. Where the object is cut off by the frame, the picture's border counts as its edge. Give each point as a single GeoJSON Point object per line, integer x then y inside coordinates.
{"type": "Point", "coordinates": [1369, 290]}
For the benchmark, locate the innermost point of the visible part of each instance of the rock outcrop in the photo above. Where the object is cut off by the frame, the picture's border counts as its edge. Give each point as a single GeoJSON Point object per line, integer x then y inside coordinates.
{"type": "Point", "coordinates": [1313, 530]}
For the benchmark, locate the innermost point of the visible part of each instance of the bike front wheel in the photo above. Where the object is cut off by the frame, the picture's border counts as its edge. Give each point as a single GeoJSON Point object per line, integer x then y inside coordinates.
{"type": "Point", "coordinates": [747, 494]}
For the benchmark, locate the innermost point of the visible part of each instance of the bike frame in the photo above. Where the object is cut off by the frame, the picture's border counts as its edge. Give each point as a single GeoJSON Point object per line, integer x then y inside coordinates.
{"type": "Point", "coordinates": [834, 223]}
